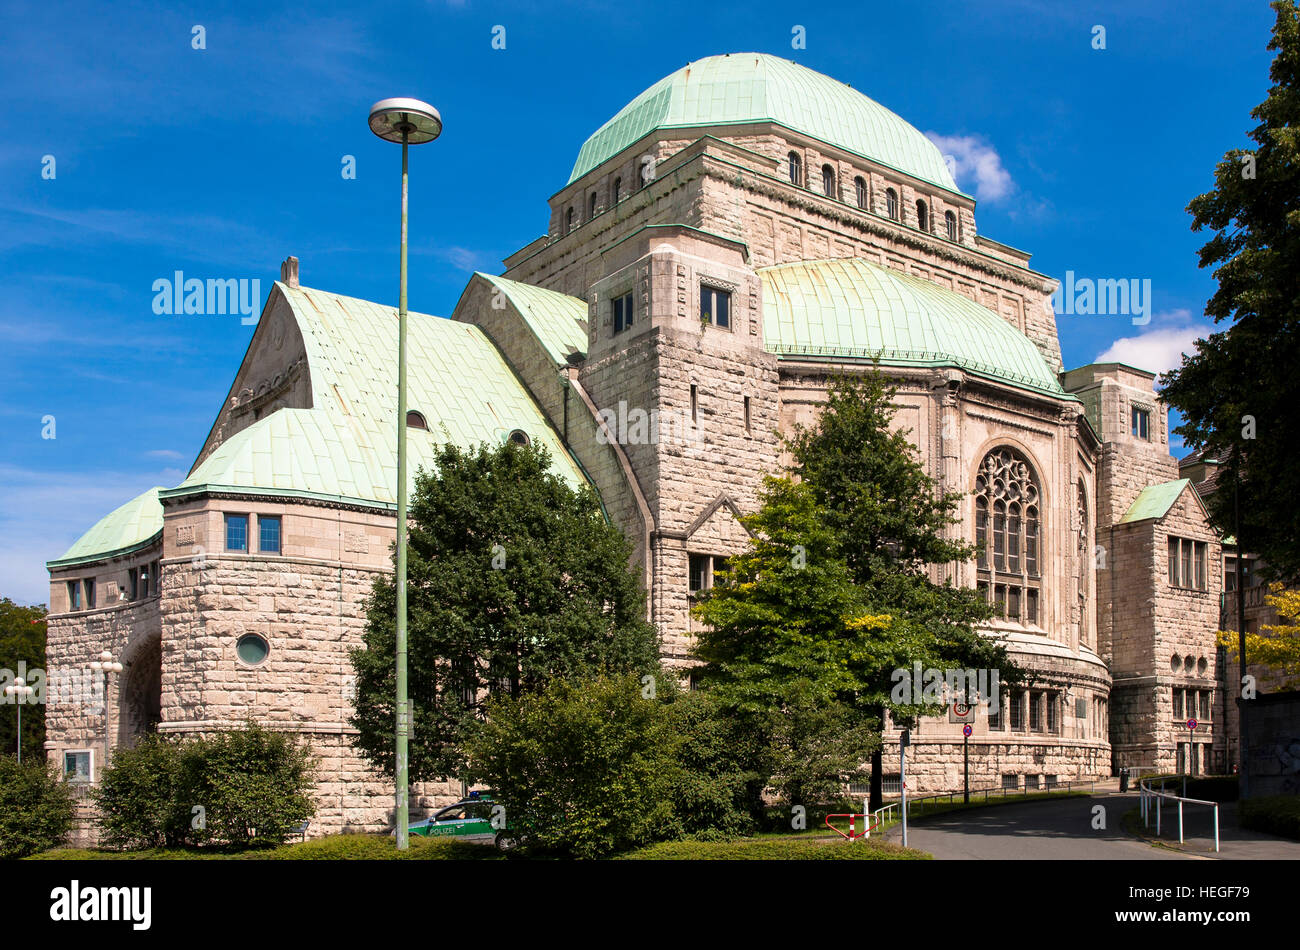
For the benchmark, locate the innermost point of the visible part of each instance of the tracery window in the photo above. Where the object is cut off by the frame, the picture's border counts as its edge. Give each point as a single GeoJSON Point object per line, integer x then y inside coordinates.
{"type": "Point", "coordinates": [1007, 533]}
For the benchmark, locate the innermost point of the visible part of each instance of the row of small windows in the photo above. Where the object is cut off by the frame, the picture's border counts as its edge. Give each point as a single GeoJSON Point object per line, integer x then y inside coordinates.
{"type": "Point", "coordinates": [1193, 704]}
{"type": "Point", "coordinates": [616, 194]}
{"type": "Point", "coordinates": [141, 582]}
{"type": "Point", "coordinates": [861, 195]}
{"type": "Point", "coordinates": [715, 308]}
{"type": "Point", "coordinates": [268, 533]}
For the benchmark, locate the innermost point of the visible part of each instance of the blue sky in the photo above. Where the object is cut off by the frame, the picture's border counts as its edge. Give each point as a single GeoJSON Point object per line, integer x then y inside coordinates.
{"type": "Point", "coordinates": [220, 162]}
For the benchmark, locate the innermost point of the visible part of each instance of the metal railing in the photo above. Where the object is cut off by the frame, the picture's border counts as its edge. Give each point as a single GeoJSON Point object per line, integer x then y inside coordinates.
{"type": "Point", "coordinates": [916, 807]}
{"type": "Point", "coordinates": [1158, 796]}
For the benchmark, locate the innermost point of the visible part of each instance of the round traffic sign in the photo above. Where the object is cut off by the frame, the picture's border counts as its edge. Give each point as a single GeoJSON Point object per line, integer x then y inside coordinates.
{"type": "Point", "coordinates": [966, 731]}
{"type": "Point", "coordinates": [961, 709]}
{"type": "Point", "coordinates": [1191, 724]}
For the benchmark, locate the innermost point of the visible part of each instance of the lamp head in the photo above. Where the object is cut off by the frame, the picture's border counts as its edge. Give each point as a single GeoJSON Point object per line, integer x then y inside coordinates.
{"type": "Point", "coordinates": [390, 118]}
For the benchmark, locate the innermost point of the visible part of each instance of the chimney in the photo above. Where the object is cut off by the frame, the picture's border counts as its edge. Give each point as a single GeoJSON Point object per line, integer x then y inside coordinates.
{"type": "Point", "coordinates": [289, 271]}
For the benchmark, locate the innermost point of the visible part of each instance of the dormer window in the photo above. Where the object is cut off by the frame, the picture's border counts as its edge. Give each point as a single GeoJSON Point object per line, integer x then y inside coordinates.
{"type": "Point", "coordinates": [950, 222]}
{"type": "Point", "coordinates": [796, 168]}
{"type": "Point", "coordinates": [828, 181]}
{"type": "Point", "coordinates": [860, 191]}
{"type": "Point", "coordinates": [415, 420]}
{"type": "Point", "coordinates": [891, 203]}
{"type": "Point", "coordinates": [922, 216]}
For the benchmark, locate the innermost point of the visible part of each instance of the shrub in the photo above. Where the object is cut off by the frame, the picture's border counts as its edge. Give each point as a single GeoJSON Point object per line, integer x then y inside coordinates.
{"type": "Point", "coordinates": [137, 798]}
{"type": "Point", "coordinates": [245, 788]}
{"type": "Point", "coordinates": [36, 808]}
{"type": "Point", "coordinates": [584, 768]}
{"type": "Point", "coordinates": [1273, 814]}
{"type": "Point", "coordinates": [253, 786]}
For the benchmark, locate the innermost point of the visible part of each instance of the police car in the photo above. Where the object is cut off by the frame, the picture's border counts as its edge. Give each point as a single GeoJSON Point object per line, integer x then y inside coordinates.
{"type": "Point", "coordinates": [470, 819]}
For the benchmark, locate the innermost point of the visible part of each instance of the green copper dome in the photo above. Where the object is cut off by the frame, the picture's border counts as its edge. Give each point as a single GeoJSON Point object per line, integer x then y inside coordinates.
{"type": "Point", "coordinates": [131, 526]}
{"type": "Point", "coordinates": [753, 87]}
{"type": "Point", "coordinates": [851, 308]}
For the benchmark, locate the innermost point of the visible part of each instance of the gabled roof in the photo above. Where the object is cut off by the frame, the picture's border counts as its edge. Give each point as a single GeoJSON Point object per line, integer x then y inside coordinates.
{"type": "Point", "coordinates": [850, 307]}
{"type": "Point", "coordinates": [557, 320]}
{"type": "Point", "coordinates": [345, 447]}
{"type": "Point", "coordinates": [1154, 501]}
{"type": "Point", "coordinates": [740, 88]}
{"type": "Point", "coordinates": [125, 529]}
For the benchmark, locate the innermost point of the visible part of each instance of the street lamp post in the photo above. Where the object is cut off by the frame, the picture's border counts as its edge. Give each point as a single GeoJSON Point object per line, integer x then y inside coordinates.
{"type": "Point", "coordinates": [410, 122]}
{"type": "Point", "coordinates": [19, 691]}
{"type": "Point", "coordinates": [105, 664]}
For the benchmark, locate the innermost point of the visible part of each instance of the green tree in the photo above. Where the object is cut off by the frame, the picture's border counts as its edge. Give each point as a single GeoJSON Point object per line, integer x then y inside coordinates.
{"type": "Point", "coordinates": [22, 647]}
{"type": "Point", "coordinates": [583, 767]}
{"type": "Point", "coordinates": [1236, 393]}
{"type": "Point", "coordinates": [36, 808]}
{"type": "Point", "coordinates": [791, 648]}
{"type": "Point", "coordinates": [514, 577]}
{"type": "Point", "coordinates": [893, 525]}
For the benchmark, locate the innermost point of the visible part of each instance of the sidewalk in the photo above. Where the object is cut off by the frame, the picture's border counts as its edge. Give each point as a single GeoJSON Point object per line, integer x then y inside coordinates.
{"type": "Point", "coordinates": [1235, 842]}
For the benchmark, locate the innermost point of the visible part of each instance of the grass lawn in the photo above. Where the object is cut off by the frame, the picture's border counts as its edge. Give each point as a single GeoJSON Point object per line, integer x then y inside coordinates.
{"type": "Point", "coordinates": [383, 848]}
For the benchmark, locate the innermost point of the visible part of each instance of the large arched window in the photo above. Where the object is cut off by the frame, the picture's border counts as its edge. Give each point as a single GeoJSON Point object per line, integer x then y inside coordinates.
{"type": "Point", "coordinates": [828, 181]}
{"type": "Point", "coordinates": [950, 222]}
{"type": "Point", "coordinates": [891, 203]}
{"type": "Point", "coordinates": [922, 216]}
{"type": "Point", "coordinates": [1008, 512]}
{"type": "Point", "coordinates": [860, 191]}
{"type": "Point", "coordinates": [796, 168]}
{"type": "Point", "coordinates": [1084, 563]}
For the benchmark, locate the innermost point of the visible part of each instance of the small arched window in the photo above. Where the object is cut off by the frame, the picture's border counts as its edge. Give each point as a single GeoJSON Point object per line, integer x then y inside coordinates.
{"type": "Point", "coordinates": [415, 420]}
{"type": "Point", "coordinates": [950, 222]}
{"type": "Point", "coordinates": [568, 221]}
{"type": "Point", "coordinates": [860, 191]}
{"type": "Point", "coordinates": [796, 168]}
{"type": "Point", "coordinates": [891, 203]}
{"type": "Point", "coordinates": [618, 191]}
{"type": "Point", "coordinates": [591, 207]}
{"type": "Point", "coordinates": [922, 216]}
{"type": "Point", "coordinates": [828, 181]}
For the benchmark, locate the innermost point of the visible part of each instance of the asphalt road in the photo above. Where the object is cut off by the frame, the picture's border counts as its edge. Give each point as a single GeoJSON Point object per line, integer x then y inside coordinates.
{"type": "Point", "coordinates": [1056, 829]}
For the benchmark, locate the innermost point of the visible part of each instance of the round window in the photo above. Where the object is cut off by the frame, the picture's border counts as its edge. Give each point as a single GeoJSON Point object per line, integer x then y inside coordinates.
{"type": "Point", "coordinates": [252, 649]}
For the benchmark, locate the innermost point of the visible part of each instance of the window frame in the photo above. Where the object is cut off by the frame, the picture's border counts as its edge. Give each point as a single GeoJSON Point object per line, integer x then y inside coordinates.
{"type": "Point", "coordinates": [74, 778]}
{"type": "Point", "coordinates": [951, 226]}
{"type": "Point", "coordinates": [861, 193]}
{"type": "Point", "coordinates": [1140, 422]}
{"type": "Point", "coordinates": [794, 168]}
{"type": "Point", "coordinates": [715, 294]}
{"type": "Point", "coordinates": [891, 204]}
{"type": "Point", "coordinates": [229, 515]}
{"type": "Point", "coordinates": [622, 312]}
{"type": "Point", "coordinates": [278, 521]}
{"type": "Point", "coordinates": [829, 185]}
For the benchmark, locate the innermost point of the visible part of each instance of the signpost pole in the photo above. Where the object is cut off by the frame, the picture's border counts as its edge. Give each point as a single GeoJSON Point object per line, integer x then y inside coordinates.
{"type": "Point", "coordinates": [903, 742]}
{"type": "Point", "coordinates": [965, 763]}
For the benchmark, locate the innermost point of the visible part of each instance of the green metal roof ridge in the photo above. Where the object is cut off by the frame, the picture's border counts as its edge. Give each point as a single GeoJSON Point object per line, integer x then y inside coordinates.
{"type": "Point", "coordinates": [1154, 501]}
{"type": "Point", "coordinates": [128, 527]}
{"type": "Point", "coordinates": [740, 88]}
{"type": "Point", "coordinates": [552, 316]}
{"type": "Point", "coordinates": [851, 307]}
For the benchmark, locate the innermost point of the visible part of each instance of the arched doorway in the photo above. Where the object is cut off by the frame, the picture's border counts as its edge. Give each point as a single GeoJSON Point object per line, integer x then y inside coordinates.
{"type": "Point", "coordinates": [142, 692]}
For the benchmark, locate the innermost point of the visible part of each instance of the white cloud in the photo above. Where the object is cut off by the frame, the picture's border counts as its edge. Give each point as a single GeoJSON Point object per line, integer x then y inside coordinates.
{"type": "Point", "coordinates": [1158, 350]}
{"type": "Point", "coordinates": [165, 454]}
{"type": "Point", "coordinates": [972, 159]}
